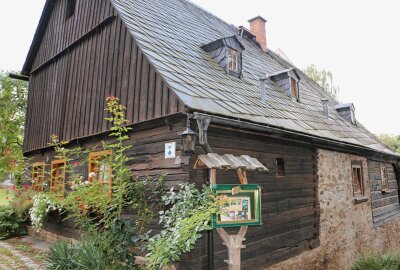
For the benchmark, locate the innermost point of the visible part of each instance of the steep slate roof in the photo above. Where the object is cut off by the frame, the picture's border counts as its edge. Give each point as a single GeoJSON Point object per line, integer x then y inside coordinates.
{"type": "Point", "coordinates": [171, 34]}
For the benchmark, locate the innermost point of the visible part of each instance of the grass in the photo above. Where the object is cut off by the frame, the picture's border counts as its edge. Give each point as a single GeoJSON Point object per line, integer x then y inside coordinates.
{"type": "Point", "coordinates": [6, 196]}
{"type": "Point", "coordinates": [389, 261]}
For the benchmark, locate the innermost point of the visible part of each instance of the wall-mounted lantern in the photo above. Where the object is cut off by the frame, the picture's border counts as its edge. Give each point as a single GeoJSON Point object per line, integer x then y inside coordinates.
{"type": "Point", "coordinates": [188, 138]}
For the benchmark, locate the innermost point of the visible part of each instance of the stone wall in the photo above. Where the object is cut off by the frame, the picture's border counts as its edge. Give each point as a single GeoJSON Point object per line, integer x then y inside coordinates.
{"type": "Point", "coordinates": [346, 228]}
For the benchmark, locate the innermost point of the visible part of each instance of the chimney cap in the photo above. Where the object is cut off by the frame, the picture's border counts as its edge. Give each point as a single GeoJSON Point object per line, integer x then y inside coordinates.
{"type": "Point", "coordinates": [258, 17]}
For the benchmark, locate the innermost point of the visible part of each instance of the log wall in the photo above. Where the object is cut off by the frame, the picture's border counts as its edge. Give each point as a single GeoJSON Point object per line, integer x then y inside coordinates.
{"type": "Point", "coordinates": [385, 205]}
{"type": "Point", "coordinates": [289, 203]}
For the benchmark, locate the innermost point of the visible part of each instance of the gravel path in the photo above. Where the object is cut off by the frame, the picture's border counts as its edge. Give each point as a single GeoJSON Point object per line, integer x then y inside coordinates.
{"type": "Point", "coordinates": [12, 259]}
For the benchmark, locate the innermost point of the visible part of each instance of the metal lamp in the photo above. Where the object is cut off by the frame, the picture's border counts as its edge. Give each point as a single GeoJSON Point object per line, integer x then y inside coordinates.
{"type": "Point", "coordinates": [188, 138]}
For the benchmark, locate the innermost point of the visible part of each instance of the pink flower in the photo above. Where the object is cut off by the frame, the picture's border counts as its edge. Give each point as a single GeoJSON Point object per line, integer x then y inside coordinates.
{"type": "Point", "coordinates": [76, 163]}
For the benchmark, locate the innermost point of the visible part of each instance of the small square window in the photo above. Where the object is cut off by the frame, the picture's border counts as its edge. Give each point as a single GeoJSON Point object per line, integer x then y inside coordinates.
{"type": "Point", "coordinates": [71, 4]}
{"type": "Point", "coordinates": [233, 60]}
{"type": "Point", "coordinates": [280, 167]}
{"type": "Point", "coordinates": [358, 180]}
{"type": "Point", "coordinates": [384, 179]}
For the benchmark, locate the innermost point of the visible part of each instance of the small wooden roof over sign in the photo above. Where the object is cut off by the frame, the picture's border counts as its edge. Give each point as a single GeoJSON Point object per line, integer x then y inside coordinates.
{"type": "Point", "coordinates": [229, 162]}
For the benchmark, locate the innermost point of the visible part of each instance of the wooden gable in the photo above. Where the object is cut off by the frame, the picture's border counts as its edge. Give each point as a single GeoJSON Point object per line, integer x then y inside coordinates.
{"type": "Point", "coordinates": [76, 63]}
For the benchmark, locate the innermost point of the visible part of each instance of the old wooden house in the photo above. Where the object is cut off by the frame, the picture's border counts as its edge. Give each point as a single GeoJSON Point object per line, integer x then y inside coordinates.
{"type": "Point", "coordinates": [332, 187]}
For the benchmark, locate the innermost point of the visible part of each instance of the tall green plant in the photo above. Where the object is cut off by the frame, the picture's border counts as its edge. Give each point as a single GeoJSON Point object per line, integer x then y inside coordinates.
{"type": "Point", "coordinates": [121, 175]}
{"type": "Point", "coordinates": [190, 214]}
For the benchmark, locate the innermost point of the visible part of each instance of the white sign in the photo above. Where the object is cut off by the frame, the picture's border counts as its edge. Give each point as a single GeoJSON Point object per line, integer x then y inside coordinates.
{"type": "Point", "coordinates": [170, 150]}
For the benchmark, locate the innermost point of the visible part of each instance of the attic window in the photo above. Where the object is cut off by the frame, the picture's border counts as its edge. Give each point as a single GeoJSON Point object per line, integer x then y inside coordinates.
{"type": "Point", "coordinates": [233, 60]}
{"type": "Point", "coordinates": [70, 8]}
{"type": "Point", "coordinates": [280, 167]}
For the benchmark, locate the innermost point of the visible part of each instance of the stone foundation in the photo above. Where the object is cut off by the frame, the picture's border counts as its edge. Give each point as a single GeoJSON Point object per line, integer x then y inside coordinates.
{"type": "Point", "coordinates": [346, 228]}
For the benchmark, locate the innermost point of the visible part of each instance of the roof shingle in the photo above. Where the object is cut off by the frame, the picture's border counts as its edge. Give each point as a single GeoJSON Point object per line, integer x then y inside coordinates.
{"type": "Point", "coordinates": [171, 34]}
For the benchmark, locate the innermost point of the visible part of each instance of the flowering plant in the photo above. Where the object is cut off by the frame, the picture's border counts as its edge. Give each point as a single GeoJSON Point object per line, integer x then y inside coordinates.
{"type": "Point", "coordinates": [42, 205]}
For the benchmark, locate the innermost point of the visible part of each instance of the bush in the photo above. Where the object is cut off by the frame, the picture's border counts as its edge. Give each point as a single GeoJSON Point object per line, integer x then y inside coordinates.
{"type": "Point", "coordinates": [10, 223]}
{"type": "Point", "coordinates": [22, 202]}
{"type": "Point", "coordinates": [97, 251]}
{"type": "Point", "coordinates": [378, 262]}
{"type": "Point", "coordinates": [60, 257]}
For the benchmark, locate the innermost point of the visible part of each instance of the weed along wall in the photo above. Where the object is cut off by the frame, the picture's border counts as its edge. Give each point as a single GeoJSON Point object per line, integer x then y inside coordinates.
{"type": "Point", "coordinates": [346, 228]}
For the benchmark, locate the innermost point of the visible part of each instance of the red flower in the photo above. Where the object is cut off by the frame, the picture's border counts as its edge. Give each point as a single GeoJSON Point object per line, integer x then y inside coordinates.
{"type": "Point", "coordinates": [111, 98]}
{"type": "Point", "coordinates": [76, 163]}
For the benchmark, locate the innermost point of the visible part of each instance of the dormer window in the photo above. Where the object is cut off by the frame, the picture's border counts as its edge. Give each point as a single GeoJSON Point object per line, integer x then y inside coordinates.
{"type": "Point", "coordinates": [227, 53]}
{"type": "Point", "coordinates": [288, 81]}
{"type": "Point", "coordinates": [347, 111]}
{"type": "Point", "coordinates": [233, 60]}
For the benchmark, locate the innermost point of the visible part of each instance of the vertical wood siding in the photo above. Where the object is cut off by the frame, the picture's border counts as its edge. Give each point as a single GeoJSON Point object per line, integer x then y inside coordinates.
{"type": "Point", "coordinates": [67, 96]}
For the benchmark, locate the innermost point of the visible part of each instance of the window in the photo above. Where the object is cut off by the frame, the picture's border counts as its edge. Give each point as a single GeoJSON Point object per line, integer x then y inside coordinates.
{"type": "Point", "coordinates": [233, 60]}
{"type": "Point", "coordinates": [100, 169]}
{"type": "Point", "coordinates": [38, 177]}
{"type": "Point", "coordinates": [358, 181]}
{"type": "Point", "coordinates": [70, 8]}
{"type": "Point", "coordinates": [57, 180]}
{"type": "Point", "coordinates": [293, 87]}
{"type": "Point", "coordinates": [280, 167]}
{"type": "Point", "coordinates": [384, 179]}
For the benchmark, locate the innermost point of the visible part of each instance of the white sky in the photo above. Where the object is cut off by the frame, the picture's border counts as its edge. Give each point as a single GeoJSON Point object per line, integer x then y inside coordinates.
{"type": "Point", "coordinates": [357, 40]}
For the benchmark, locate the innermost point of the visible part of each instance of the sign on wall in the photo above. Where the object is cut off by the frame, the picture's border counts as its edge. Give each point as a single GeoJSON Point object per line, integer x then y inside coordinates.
{"type": "Point", "coordinates": [170, 150]}
{"type": "Point", "coordinates": [241, 205]}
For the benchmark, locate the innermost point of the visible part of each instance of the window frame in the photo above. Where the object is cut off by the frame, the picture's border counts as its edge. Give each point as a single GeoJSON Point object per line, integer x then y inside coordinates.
{"type": "Point", "coordinates": [97, 154]}
{"type": "Point", "coordinates": [233, 61]}
{"type": "Point", "coordinates": [52, 176]}
{"type": "Point", "coordinates": [384, 178]}
{"type": "Point", "coordinates": [357, 165]}
{"type": "Point", "coordinates": [294, 88]}
{"type": "Point", "coordinates": [35, 179]}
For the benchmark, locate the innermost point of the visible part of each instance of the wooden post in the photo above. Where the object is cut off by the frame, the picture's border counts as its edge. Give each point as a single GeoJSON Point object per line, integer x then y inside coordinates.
{"type": "Point", "coordinates": [234, 243]}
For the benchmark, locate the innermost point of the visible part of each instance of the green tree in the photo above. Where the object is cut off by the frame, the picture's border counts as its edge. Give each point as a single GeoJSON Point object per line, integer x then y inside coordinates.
{"type": "Point", "coordinates": [324, 78]}
{"type": "Point", "coordinates": [393, 141]}
{"type": "Point", "coordinates": [13, 100]}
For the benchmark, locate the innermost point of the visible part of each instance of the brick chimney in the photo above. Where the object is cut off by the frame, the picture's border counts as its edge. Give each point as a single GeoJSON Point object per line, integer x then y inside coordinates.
{"type": "Point", "coordinates": [257, 27]}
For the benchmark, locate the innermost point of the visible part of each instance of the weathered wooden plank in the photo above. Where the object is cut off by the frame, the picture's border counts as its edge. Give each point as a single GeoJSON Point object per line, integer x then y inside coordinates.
{"type": "Point", "coordinates": [137, 86]}
{"type": "Point", "coordinates": [144, 86]}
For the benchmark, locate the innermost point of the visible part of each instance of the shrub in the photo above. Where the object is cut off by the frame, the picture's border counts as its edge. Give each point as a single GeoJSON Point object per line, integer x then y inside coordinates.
{"type": "Point", "coordinates": [42, 205]}
{"type": "Point", "coordinates": [60, 257]}
{"type": "Point", "coordinates": [10, 223]}
{"type": "Point", "coordinates": [377, 262]}
{"type": "Point", "coordinates": [97, 251]}
{"type": "Point", "coordinates": [22, 202]}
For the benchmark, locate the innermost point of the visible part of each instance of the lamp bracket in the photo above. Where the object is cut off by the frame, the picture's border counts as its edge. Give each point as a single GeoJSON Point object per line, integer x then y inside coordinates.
{"type": "Point", "coordinates": [203, 122]}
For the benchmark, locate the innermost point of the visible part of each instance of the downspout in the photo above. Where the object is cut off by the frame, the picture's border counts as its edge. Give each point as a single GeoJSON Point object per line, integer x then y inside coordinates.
{"type": "Point", "coordinates": [203, 121]}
